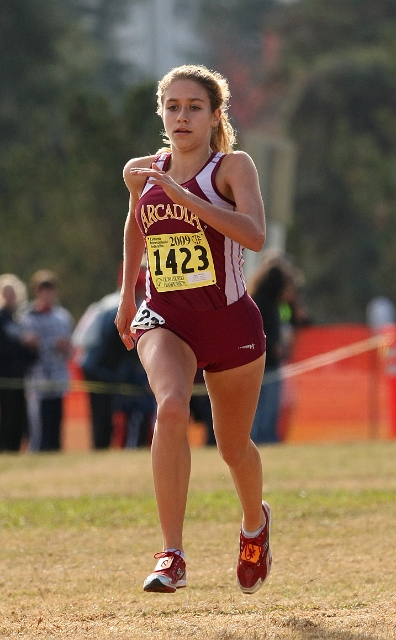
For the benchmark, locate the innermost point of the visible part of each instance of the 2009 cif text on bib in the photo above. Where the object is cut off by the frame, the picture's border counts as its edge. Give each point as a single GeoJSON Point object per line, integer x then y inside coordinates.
{"type": "Point", "coordinates": [180, 261]}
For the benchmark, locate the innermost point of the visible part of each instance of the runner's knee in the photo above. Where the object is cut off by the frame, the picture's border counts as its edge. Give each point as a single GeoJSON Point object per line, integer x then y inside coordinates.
{"type": "Point", "coordinates": [173, 412]}
{"type": "Point", "coordinates": [232, 454]}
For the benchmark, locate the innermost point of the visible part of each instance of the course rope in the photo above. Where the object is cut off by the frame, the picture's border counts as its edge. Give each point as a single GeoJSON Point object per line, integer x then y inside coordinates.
{"type": "Point", "coordinates": [381, 342]}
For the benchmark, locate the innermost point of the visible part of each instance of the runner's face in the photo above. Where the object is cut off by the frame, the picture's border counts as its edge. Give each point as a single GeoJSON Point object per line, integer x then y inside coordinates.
{"type": "Point", "coordinates": [187, 114]}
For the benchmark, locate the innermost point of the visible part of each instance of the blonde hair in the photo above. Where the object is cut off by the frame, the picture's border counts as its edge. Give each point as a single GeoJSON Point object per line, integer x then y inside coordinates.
{"type": "Point", "coordinates": [223, 136]}
{"type": "Point", "coordinates": [9, 279]}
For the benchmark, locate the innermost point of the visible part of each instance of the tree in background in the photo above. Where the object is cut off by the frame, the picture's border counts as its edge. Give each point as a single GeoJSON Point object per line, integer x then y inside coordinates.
{"type": "Point", "coordinates": [67, 203]}
{"type": "Point", "coordinates": [98, 142]}
{"type": "Point", "coordinates": [234, 32]}
{"type": "Point", "coordinates": [100, 19]}
{"type": "Point", "coordinates": [324, 74]}
{"type": "Point", "coordinates": [343, 121]}
{"type": "Point", "coordinates": [41, 51]}
{"type": "Point", "coordinates": [62, 199]}
{"type": "Point", "coordinates": [44, 55]}
{"type": "Point", "coordinates": [339, 67]}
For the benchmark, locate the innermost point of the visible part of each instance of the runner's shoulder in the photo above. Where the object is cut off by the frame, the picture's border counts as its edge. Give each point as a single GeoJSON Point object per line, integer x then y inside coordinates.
{"type": "Point", "coordinates": [135, 183]}
{"type": "Point", "coordinates": [143, 162]}
{"type": "Point", "coordinates": [237, 160]}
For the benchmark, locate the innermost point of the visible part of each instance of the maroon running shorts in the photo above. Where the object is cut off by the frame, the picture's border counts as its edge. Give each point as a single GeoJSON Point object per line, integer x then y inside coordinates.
{"type": "Point", "coordinates": [222, 338]}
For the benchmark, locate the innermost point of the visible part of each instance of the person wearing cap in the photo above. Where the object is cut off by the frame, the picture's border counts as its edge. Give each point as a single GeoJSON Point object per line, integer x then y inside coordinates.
{"type": "Point", "coordinates": [48, 378]}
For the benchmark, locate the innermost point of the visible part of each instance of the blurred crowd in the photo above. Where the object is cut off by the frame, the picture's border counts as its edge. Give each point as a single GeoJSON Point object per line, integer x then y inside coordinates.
{"type": "Point", "coordinates": [39, 342]}
{"type": "Point", "coordinates": [40, 345]}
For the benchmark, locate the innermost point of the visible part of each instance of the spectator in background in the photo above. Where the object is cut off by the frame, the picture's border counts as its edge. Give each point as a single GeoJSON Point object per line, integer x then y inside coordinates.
{"type": "Point", "coordinates": [18, 351]}
{"type": "Point", "coordinates": [48, 378]}
{"type": "Point", "coordinates": [201, 410]}
{"type": "Point", "coordinates": [293, 315]}
{"type": "Point", "coordinates": [101, 355]}
{"type": "Point", "coordinates": [380, 312]}
{"type": "Point", "coordinates": [135, 411]}
{"type": "Point", "coordinates": [98, 354]}
{"type": "Point", "coordinates": [269, 286]}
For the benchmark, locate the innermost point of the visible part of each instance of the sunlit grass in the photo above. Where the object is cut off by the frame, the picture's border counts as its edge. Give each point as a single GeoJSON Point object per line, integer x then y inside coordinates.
{"type": "Point", "coordinates": [78, 532]}
{"type": "Point", "coordinates": [116, 511]}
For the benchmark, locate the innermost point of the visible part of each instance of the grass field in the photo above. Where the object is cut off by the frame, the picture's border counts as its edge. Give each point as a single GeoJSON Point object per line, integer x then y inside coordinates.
{"type": "Point", "coordinates": [78, 532]}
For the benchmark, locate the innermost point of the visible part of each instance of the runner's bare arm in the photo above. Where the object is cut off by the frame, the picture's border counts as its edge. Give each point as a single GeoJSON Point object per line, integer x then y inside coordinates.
{"type": "Point", "coordinates": [133, 253]}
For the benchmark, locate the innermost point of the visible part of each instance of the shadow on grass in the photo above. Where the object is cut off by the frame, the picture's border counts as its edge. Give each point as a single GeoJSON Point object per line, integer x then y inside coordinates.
{"type": "Point", "coordinates": [307, 629]}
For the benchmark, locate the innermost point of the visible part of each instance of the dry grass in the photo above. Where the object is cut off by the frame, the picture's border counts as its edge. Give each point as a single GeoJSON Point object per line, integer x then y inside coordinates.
{"type": "Point", "coordinates": [65, 574]}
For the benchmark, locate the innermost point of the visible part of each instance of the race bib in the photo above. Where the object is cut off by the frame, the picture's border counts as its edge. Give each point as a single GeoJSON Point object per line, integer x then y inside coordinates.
{"type": "Point", "coordinates": [146, 318]}
{"type": "Point", "coordinates": [180, 261]}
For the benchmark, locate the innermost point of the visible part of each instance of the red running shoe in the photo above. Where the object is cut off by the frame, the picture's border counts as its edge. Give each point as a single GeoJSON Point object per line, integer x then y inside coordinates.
{"type": "Point", "coordinates": [169, 573]}
{"type": "Point", "coordinates": [254, 562]}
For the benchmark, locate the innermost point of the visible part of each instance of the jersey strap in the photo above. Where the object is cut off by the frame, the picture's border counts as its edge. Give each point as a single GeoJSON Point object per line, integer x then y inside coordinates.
{"type": "Point", "coordinates": [160, 161]}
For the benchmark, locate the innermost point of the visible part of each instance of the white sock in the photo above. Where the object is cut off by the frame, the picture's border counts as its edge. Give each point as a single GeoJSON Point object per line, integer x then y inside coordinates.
{"type": "Point", "coordinates": [252, 534]}
{"type": "Point", "coordinates": [173, 551]}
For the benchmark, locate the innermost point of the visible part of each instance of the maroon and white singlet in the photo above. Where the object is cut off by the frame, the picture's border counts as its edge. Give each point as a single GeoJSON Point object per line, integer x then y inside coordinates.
{"type": "Point", "coordinates": [194, 279]}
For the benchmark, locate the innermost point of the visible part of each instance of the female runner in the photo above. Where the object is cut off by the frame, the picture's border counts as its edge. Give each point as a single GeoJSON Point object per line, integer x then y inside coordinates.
{"type": "Point", "coordinates": [193, 208]}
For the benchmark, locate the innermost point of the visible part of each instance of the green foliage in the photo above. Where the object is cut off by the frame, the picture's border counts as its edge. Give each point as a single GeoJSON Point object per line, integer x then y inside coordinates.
{"type": "Point", "coordinates": [40, 49]}
{"type": "Point", "coordinates": [339, 66]}
{"type": "Point", "coordinates": [329, 68]}
{"type": "Point", "coordinates": [66, 203]}
{"type": "Point", "coordinates": [142, 126]}
{"type": "Point", "coordinates": [63, 202]}
{"type": "Point", "coordinates": [314, 27]}
{"type": "Point", "coordinates": [101, 18]}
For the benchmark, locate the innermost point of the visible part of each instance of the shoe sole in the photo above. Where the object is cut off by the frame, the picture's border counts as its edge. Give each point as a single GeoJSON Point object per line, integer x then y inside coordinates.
{"type": "Point", "coordinates": [156, 586]}
{"type": "Point", "coordinates": [259, 583]}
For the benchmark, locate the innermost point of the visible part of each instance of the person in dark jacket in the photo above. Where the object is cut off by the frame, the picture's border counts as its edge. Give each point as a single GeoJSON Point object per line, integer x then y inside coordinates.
{"type": "Point", "coordinates": [18, 350]}
{"type": "Point", "coordinates": [102, 357]}
{"type": "Point", "coordinates": [268, 287]}
{"type": "Point", "coordinates": [100, 363]}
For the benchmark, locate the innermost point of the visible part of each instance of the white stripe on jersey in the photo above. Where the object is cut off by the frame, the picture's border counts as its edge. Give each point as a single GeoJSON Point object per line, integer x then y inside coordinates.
{"type": "Point", "coordinates": [235, 285]}
{"type": "Point", "coordinates": [160, 162]}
